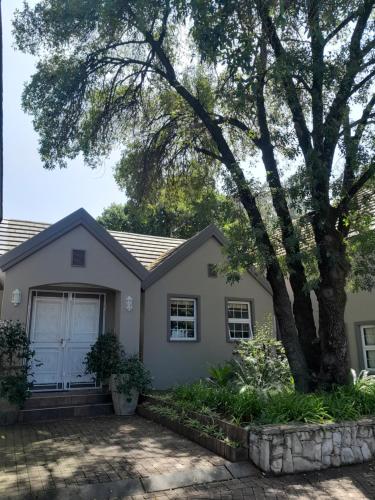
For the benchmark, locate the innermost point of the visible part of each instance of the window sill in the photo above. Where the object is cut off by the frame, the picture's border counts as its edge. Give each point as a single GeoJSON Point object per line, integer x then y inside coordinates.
{"type": "Point", "coordinates": [182, 340]}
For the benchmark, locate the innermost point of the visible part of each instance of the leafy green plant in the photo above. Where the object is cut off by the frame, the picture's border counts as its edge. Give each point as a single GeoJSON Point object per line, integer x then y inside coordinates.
{"type": "Point", "coordinates": [261, 363]}
{"type": "Point", "coordinates": [221, 375]}
{"type": "Point", "coordinates": [278, 406]}
{"type": "Point", "coordinates": [166, 411]}
{"type": "Point", "coordinates": [131, 375]}
{"type": "Point", "coordinates": [15, 362]}
{"type": "Point", "coordinates": [104, 357]}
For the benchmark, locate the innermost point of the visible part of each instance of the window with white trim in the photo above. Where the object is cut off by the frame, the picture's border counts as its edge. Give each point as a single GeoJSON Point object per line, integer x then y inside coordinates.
{"type": "Point", "coordinates": [368, 345]}
{"type": "Point", "coordinates": [239, 320]}
{"type": "Point", "coordinates": [182, 319]}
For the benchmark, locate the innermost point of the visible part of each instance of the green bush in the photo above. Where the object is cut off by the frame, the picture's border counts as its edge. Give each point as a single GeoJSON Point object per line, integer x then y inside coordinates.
{"type": "Point", "coordinates": [15, 362]}
{"type": "Point", "coordinates": [221, 374]}
{"type": "Point", "coordinates": [261, 363]}
{"type": "Point", "coordinates": [132, 375]}
{"type": "Point", "coordinates": [104, 357]}
{"type": "Point", "coordinates": [281, 406]}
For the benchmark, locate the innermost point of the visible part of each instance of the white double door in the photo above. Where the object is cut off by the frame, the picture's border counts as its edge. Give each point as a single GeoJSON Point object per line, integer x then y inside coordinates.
{"type": "Point", "coordinates": [63, 327]}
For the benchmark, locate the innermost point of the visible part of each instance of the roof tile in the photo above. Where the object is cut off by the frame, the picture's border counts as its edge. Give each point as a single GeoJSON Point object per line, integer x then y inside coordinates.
{"type": "Point", "coordinates": [148, 250]}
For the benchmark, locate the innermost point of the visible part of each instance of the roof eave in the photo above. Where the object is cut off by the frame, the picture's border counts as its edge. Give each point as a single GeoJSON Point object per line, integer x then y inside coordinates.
{"type": "Point", "coordinates": [186, 249]}
{"type": "Point", "coordinates": [55, 231]}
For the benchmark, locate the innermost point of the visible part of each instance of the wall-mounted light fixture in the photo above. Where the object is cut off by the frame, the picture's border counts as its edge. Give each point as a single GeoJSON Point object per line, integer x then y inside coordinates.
{"type": "Point", "coordinates": [16, 297]}
{"type": "Point", "coordinates": [129, 303]}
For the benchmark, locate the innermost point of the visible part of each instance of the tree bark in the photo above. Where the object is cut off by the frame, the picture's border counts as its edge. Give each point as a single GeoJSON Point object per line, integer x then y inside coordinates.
{"type": "Point", "coordinates": [334, 268]}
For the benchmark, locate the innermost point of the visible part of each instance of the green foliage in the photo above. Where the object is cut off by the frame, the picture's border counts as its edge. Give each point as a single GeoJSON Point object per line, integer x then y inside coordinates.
{"type": "Point", "coordinates": [104, 357]}
{"type": "Point", "coordinates": [261, 363]}
{"type": "Point", "coordinates": [132, 375]}
{"type": "Point", "coordinates": [226, 401]}
{"type": "Point", "coordinates": [279, 407]}
{"type": "Point", "coordinates": [221, 375]}
{"type": "Point", "coordinates": [178, 213]}
{"type": "Point", "coordinates": [179, 414]}
{"type": "Point", "coordinates": [15, 362]}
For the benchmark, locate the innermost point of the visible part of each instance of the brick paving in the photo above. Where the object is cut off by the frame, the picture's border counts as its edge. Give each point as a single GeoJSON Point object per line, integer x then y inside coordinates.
{"type": "Point", "coordinates": [40, 460]}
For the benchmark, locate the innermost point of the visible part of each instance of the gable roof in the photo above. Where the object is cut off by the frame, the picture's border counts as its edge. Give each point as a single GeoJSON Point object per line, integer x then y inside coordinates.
{"type": "Point", "coordinates": [148, 250]}
{"type": "Point", "coordinates": [55, 231]}
{"type": "Point", "coordinates": [149, 257]}
{"type": "Point", "coordinates": [174, 257]}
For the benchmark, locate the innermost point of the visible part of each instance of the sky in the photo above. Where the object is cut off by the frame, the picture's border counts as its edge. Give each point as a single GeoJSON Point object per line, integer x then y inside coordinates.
{"type": "Point", "coordinates": [30, 191]}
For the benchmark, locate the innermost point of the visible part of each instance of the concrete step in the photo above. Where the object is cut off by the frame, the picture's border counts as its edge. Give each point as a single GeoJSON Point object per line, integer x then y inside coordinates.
{"type": "Point", "coordinates": [62, 412]}
{"type": "Point", "coordinates": [72, 398]}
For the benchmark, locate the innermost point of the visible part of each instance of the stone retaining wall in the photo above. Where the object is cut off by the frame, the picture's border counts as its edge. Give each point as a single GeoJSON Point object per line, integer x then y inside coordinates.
{"type": "Point", "coordinates": [284, 449]}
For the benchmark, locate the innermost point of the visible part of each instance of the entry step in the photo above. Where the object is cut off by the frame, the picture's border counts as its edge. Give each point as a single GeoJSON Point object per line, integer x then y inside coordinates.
{"type": "Point", "coordinates": [63, 412]}
{"type": "Point", "coordinates": [40, 400]}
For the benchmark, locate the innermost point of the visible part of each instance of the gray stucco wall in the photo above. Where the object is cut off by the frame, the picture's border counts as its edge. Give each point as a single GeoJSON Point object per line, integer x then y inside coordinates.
{"type": "Point", "coordinates": [52, 265]}
{"type": "Point", "coordinates": [178, 362]}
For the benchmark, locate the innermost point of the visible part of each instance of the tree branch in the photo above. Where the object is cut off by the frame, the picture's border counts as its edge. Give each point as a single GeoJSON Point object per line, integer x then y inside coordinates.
{"type": "Point", "coordinates": [209, 153]}
{"type": "Point", "coordinates": [335, 114]}
{"type": "Point", "coordinates": [356, 187]}
{"type": "Point", "coordinates": [341, 26]}
{"type": "Point", "coordinates": [302, 132]}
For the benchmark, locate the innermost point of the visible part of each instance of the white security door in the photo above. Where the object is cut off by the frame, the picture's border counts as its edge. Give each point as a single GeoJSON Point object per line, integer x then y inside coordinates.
{"type": "Point", "coordinates": [63, 328]}
{"type": "Point", "coordinates": [47, 333]}
{"type": "Point", "coordinates": [84, 326]}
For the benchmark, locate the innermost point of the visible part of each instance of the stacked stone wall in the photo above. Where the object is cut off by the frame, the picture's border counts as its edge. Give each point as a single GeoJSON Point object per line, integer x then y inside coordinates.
{"type": "Point", "coordinates": [286, 449]}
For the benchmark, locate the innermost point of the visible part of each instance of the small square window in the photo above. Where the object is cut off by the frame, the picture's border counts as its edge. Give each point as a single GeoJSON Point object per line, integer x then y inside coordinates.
{"type": "Point", "coordinates": [78, 258]}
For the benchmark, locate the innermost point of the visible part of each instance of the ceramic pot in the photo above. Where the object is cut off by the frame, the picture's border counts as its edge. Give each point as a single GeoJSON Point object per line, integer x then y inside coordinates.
{"type": "Point", "coordinates": [120, 401]}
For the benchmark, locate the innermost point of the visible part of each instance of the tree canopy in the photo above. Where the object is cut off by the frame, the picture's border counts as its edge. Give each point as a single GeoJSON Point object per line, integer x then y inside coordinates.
{"type": "Point", "coordinates": [220, 87]}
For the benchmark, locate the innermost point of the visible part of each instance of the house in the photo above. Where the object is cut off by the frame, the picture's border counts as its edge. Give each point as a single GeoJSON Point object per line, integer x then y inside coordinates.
{"type": "Point", "coordinates": [71, 281]}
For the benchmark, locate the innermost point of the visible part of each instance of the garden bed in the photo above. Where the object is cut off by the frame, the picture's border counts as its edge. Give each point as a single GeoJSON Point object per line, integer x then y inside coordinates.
{"type": "Point", "coordinates": [209, 432]}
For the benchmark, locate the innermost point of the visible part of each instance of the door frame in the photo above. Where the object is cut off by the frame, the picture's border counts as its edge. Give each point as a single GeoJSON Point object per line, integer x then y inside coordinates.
{"type": "Point", "coordinates": [33, 292]}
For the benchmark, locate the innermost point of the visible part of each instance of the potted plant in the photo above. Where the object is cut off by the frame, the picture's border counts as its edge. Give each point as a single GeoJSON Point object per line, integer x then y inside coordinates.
{"type": "Point", "coordinates": [15, 366]}
{"type": "Point", "coordinates": [127, 383]}
{"type": "Point", "coordinates": [104, 357]}
{"type": "Point", "coordinates": [126, 374]}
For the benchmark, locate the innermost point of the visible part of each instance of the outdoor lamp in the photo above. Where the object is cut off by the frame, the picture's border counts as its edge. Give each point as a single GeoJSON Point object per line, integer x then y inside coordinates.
{"type": "Point", "coordinates": [16, 297]}
{"type": "Point", "coordinates": [129, 303]}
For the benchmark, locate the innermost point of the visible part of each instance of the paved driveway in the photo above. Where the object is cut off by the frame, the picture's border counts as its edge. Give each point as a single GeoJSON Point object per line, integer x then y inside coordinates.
{"type": "Point", "coordinates": [113, 457]}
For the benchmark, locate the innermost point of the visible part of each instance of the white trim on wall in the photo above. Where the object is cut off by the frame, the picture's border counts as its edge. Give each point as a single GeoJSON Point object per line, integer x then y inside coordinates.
{"type": "Point", "coordinates": [366, 347]}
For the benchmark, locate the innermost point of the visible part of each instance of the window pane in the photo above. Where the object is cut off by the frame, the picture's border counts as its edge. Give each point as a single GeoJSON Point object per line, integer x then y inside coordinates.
{"type": "Point", "coordinates": [239, 330]}
{"type": "Point", "coordinates": [369, 335]}
{"type": "Point", "coordinates": [184, 308]}
{"type": "Point", "coordinates": [182, 330]}
{"type": "Point", "coordinates": [238, 311]}
{"type": "Point", "coordinates": [370, 359]}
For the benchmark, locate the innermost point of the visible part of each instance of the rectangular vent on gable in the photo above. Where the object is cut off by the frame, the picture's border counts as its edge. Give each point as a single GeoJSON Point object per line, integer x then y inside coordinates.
{"type": "Point", "coordinates": [212, 271]}
{"type": "Point", "coordinates": [78, 258]}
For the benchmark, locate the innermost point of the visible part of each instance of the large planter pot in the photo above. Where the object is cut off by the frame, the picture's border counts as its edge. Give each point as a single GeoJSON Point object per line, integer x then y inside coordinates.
{"type": "Point", "coordinates": [9, 412]}
{"type": "Point", "coordinates": [121, 404]}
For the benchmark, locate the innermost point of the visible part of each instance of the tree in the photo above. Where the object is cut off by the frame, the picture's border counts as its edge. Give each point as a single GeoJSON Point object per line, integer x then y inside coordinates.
{"type": "Point", "coordinates": [288, 82]}
{"type": "Point", "coordinates": [180, 219]}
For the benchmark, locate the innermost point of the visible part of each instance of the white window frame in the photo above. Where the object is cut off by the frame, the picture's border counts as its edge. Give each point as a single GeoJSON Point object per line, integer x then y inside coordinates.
{"type": "Point", "coordinates": [366, 347]}
{"type": "Point", "coordinates": [182, 318]}
{"type": "Point", "coordinates": [239, 320]}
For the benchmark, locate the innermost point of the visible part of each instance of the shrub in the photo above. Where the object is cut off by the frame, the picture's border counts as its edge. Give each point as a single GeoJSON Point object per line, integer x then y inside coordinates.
{"type": "Point", "coordinates": [15, 362]}
{"type": "Point", "coordinates": [104, 357]}
{"type": "Point", "coordinates": [281, 406]}
{"type": "Point", "coordinates": [221, 374]}
{"type": "Point", "coordinates": [132, 375]}
{"type": "Point", "coordinates": [261, 363]}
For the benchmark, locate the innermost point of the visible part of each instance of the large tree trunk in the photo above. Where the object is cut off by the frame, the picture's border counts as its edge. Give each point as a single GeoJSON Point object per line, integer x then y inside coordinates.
{"type": "Point", "coordinates": [334, 268]}
{"type": "Point", "coordinates": [288, 331]}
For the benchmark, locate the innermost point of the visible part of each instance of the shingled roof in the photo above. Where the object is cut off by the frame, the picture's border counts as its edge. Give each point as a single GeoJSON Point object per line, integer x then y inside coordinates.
{"type": "Point", "coordinates": [148, 250]}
